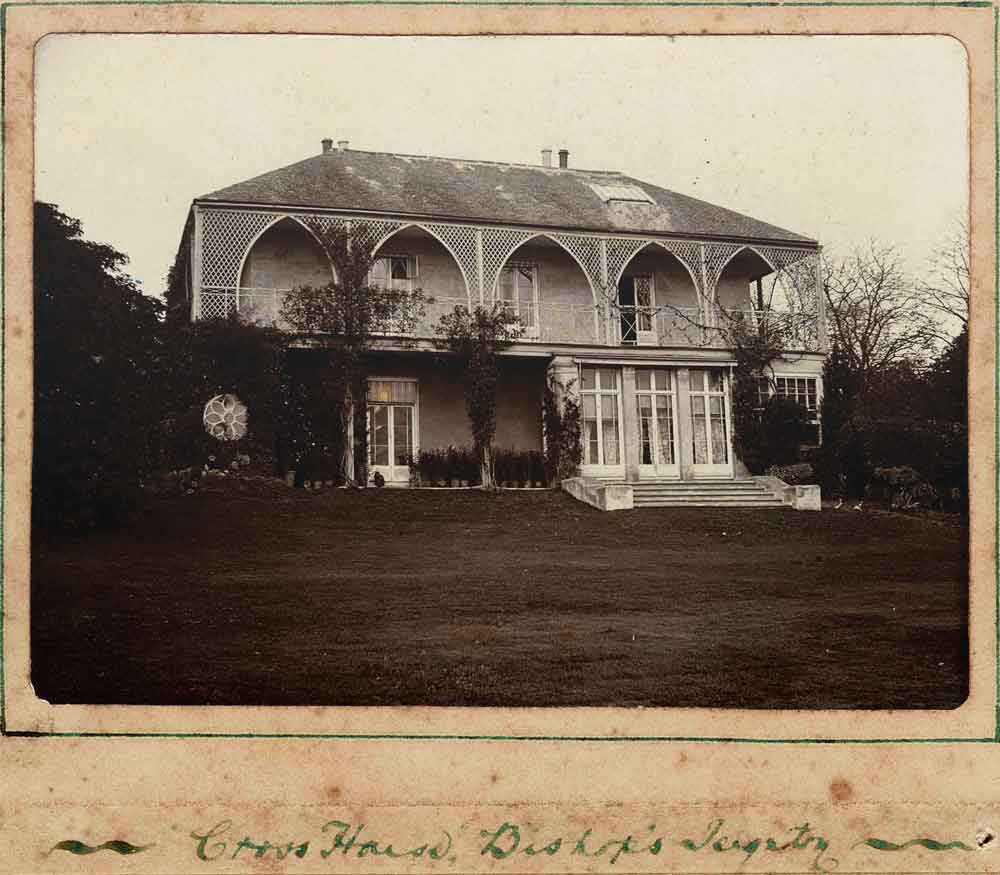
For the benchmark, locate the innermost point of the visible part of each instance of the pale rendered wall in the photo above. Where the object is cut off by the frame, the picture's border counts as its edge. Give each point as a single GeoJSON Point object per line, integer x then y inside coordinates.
{"type": "Point", "coordinates": [285, 256]}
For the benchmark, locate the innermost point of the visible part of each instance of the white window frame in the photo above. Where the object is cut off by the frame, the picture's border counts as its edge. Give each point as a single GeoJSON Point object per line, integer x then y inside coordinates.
{"type": "Point", "coordinates": [710, 468]}
{"type": "Point", "coordinates": [413, 267]}
{"type": "Point", "coordinates": [529, 330]}
{"type": "Point", "coordinates": [642, 337]}
{"type": "Point", "coordinates": [602, 468]}
{"type": "Point", "coordinates": [815, 420]}
{"type": "Point", "coordinates": [415, 404]}
{"type": "Point", "coordinates": [660, 468]}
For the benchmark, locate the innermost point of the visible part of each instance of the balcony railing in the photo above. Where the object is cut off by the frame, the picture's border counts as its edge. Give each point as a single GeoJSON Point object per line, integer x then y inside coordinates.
{"type": "Point", "coordinates": [545, 322]}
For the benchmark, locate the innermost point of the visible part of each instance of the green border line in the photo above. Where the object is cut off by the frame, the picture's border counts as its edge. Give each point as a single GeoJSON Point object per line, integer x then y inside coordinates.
{"type": "Point", "coordinates": [959, 4]}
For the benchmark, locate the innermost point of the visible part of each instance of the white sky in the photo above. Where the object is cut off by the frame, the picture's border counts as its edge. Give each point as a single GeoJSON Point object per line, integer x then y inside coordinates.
{"type": "Point", "coordinates": [840, 138]}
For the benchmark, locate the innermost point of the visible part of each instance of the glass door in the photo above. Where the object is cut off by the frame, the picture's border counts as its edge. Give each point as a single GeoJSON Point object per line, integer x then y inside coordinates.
{"type": "Point", "coordinates": [635, 306]}
{"type": "Point", "coordinates": [392, 407]}
{"type": "Point", "coordinates": [600, 400]}
{"type": "Point", "coordinates": [657, 422]}
{"type": "Point", "coordinates": [710, 422]}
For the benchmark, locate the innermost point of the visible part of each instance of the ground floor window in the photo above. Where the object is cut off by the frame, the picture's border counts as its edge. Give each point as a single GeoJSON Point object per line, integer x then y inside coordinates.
{"type": "Point", "coordinates": [709, 416]}
{"type": "Point", "coordinates": [801, 390]}
{"type": "Point", "coordinates": [601, 427]}
{"type": "Point", "coordinates": [804, 392]}
{"type": "Point", "coordinates": [391, 426]}
{"type": "Point", "coordinates": [655, 403]}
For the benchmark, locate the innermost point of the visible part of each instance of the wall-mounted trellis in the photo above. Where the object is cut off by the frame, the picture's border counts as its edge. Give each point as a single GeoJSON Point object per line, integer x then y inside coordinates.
{"type": "Point", "coordinates": [499, 244]}
{"type": "Point", "coordinates": [227, 235]}
{"type": "Point", "coordinates": [587, 251]}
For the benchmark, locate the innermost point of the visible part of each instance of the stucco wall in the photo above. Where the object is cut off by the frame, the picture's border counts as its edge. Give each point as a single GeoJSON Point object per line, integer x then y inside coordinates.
{"type": "Point", "coordinates": [560, 278]}
{"type": "Point", "coordinates": [672, 284]}
{"type": "Point", "coordinates": [733, 291]}
{"type": "Point", "coordinates": [442, 417]}
{"type": "Point", "coordinates": [437, 272]}
{"type": "Point", "coordinates": [285, 256]}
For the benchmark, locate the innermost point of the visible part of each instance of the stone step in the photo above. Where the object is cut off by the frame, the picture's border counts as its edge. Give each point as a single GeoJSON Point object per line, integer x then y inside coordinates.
{"type": "Point", "coordinates": [708, 487]}
{"type": "Point", "coordinates": [713, 503]}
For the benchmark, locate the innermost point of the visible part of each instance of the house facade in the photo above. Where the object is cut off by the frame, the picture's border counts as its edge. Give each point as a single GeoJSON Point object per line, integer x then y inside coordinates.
{"type": "Point", "coordinates": [627, 292]}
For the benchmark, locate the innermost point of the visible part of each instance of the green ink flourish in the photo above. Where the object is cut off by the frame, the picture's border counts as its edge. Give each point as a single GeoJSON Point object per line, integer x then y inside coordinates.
{"type": "Point", "coordinates": [929, 844]}
{"type": "Point", "coordinates": [119, 847]}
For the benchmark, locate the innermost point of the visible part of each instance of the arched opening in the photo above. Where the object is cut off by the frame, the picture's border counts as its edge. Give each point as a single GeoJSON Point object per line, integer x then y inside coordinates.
{"type": "Point", "coordinates": [285, 256]}
{"type": "Point", "coordinates": [548, 290]}
{"type": "Point", "coordinates": [412, 258]}
{"type": "Point", "coordinates": [741, 287]}
{"type": "Point", "coordinates": [657, 300]}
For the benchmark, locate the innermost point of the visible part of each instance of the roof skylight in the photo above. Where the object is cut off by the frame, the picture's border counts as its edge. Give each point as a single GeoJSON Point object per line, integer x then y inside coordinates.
{"type": "Point", "coordinates": [621, 192]}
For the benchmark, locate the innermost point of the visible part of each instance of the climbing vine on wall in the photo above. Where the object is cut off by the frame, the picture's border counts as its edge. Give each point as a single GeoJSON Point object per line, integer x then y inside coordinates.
{"type": "Point", "coordinates": [476, 337]}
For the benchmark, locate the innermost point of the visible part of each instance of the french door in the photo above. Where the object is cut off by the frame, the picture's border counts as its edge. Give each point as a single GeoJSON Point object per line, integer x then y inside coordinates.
{"type": "Point", "coordinates": [635, 305]}
{"type": "Point", "coordinates": [711, 422]}
{"type": "Point", "coordinates": [392, 409]}
{"type": "Point", "coordinates": [600, 399]}
{"type": "Point", "coordinates": [657, 419]}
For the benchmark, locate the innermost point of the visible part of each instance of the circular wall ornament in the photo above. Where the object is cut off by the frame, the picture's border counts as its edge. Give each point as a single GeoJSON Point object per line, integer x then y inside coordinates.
{"type": "Point", "coordinates": [225, 418]}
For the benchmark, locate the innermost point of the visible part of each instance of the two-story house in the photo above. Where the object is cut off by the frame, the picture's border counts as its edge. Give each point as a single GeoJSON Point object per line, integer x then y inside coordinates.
{"type": "Point", "coordinates": [624, 289]}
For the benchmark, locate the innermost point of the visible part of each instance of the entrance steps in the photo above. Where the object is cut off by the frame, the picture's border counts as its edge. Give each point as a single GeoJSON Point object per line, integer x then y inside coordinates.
{"type": "Point", "coordinates": [702, 493]}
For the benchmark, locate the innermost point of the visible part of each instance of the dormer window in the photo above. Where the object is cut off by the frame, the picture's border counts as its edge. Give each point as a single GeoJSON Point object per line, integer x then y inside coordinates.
{"type": "Point", "coordinates": [394, 272]}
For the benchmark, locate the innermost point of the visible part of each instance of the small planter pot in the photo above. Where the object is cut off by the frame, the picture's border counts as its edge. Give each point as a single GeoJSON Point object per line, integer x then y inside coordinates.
{"type": "Point", "coordinates": [454, 482]}
{"type": "Point", "coordinates": [290, 478]}
{"type": "Point", "coordinates": [464, 482]}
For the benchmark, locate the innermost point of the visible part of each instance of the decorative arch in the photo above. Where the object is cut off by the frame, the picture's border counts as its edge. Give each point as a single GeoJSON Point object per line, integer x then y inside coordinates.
{"type": "Point", "coordinates": [689, 255]}
{"type": "Point", "coordinates": [746, 248]}
{"type": "Point", "coordinates": [665, 245]}
{"type": "Point", "coordinates": [435, 232]}
{"type": "Point", "coordinates": [527, 238]}
{"type": "Point", "coordinates": [300, 220]}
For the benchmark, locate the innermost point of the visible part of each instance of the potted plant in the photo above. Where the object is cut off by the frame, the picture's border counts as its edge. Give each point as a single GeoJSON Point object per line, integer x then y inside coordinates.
{"type": "Point", "coordinates": [501, 468]}
{"type": "Point", "coordinates": [454, 466]}
{"type": "Point", "coordinates": [537, 465]}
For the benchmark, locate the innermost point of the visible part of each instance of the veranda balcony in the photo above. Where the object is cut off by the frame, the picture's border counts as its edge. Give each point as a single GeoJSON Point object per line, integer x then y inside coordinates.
{"type": "Point", "coordinates": [556, 323]}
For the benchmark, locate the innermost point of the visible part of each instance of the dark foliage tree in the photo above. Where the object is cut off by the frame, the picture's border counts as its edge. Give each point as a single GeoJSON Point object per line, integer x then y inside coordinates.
{"type": "Point", "coordinates": [948, 381]}
{"type": "Point", "coordinates": [212, 357]}
{"type": "Point", "coordinates": [98, 357]}
{"type": "Point", "coordinates": [476, 337]}
{"type": "Point", "coordinates": [345, 316]}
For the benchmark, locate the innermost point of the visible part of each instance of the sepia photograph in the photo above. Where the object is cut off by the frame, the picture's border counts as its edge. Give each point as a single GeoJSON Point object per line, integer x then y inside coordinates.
{"type": "Point", "coordinates": [501, 371]}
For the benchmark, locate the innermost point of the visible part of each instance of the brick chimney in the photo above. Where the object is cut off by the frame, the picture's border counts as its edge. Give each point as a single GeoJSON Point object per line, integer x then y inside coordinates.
{"type": "Point", "coordinates": [327, 145]}
{"type": "Point", "coordinates": [563, 159]}
{"type": "Point", "coordinates": [546, 157]}
{"type": "Point", "coordinates": [342, 145]}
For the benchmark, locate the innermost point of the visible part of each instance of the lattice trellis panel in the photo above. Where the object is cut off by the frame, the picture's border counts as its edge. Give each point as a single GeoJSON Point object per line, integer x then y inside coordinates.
{"type": "Point", "coordinates": [587, 251]}
{"type": "Point", "coordinates": [378, 231]}
{"type": "Point", "coordinates": [621, 250]}
{"type": "Point", "coordinates": [498, 245]}
{"type": "Point", "coordinates": [461, 240]}
{"type": "Point", "coordinates": [225, 237]}
{"type": "Point", "coordinates": [321, 223]}
{"type": "Point", "coordinates": [782, 258]}
{"type": "Point", "coordinates": [688, 254]}
{"type": "Point", "coordinates": [717, 256]}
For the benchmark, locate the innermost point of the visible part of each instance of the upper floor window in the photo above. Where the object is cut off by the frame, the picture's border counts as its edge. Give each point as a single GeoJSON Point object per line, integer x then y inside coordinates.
{"type": "Point", "coordinates": [635, 303]}
{"type": "Point", "coordinates": [517, 291]}
{"type": "Point", "coordinates": [394, 272]}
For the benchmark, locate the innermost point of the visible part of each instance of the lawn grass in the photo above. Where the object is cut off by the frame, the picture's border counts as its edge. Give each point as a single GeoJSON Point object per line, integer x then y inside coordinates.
{"type": "Point", "coordinates": [284, 597]}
